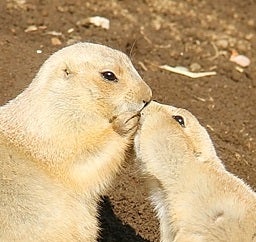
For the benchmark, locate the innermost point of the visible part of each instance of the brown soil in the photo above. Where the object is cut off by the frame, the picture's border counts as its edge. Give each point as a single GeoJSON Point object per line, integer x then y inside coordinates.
{"type": "Point", "coordinates": [191, 33]}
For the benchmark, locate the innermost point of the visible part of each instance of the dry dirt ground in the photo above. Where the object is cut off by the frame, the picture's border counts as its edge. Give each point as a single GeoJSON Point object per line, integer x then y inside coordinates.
{"type": "Point", "coordinates": [197, 34]}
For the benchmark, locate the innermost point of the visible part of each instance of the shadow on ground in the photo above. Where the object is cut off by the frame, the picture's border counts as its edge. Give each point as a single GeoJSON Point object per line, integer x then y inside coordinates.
{"type": "Point", "coordinates": [113, 230]}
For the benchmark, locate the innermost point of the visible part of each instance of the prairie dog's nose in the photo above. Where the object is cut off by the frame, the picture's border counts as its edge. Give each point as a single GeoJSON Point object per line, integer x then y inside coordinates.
{"type": "Point", "coordinates": [146, 103]}
{"type": "Point", "coordinates": [146, 93]}
{"type": "Point", "coordinates": [149, 107]}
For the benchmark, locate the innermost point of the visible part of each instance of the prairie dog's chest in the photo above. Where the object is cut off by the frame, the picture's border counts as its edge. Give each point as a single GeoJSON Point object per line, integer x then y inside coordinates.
{"type": "Point", "coordinates": [32, 203]}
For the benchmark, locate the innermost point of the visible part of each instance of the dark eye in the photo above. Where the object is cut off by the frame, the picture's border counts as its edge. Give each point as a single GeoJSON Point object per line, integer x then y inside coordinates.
{"type": "Point", "coordinates": [180, 120]}
{"type": "Point", "coordinates": [110, 76]}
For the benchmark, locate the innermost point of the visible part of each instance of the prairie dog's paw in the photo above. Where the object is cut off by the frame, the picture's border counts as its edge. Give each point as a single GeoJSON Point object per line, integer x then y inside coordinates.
{"type": "Point", "coordinates": [126, 123]}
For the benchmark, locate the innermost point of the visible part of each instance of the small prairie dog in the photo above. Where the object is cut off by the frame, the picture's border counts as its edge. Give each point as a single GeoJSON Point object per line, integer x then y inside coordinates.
{"type": "Point", "coordinates": [63, 139]}
{"type": "Point", "coordinates": [195, 197]}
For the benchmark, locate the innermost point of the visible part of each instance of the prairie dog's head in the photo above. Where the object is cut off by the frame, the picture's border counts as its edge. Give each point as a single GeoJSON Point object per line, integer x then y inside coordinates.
{"type": "Point", "coordinates": [93, 77]}
{"type": "Point", "coordinates": [169, 136]}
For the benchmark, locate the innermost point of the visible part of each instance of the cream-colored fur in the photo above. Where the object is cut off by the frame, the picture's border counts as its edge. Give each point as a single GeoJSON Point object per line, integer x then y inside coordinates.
{"type": "Point", "coordinates": [63, 139]}
{"type": "Point", "coordinates": [195, 197]}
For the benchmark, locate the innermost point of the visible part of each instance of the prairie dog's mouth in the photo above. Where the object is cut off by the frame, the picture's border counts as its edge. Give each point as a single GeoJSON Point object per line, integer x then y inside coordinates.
{"type": "Point", "coordinates": [146, 104]}
{"type": "Point", "coordinates": [141, 113]}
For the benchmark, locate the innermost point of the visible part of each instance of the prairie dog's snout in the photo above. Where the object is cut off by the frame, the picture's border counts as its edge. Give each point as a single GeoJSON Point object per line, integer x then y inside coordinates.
{"type": "Point", "coordinates": [147, 109]}
{"type": "Point", "coordinates": [146, 103]}
{"type": "Point", "coordinates": [144, 95]}
{"type": "Point", "coordinates": [147, 93]}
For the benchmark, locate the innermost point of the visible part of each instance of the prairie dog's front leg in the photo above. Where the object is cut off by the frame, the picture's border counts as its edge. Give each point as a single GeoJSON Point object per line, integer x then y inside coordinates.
{"type": "Point", "coordinates": [126, 124]}
{"type": "Point", "coordinates": [158, 199]}
{"type": "Point", "coordinates": [163, 215]}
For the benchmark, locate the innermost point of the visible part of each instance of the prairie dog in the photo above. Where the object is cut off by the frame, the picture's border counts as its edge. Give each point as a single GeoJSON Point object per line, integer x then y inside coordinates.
{"type": "Point", "coordinates": [63, 139]}
{"type": "Point", "coordinates": [195, 197]}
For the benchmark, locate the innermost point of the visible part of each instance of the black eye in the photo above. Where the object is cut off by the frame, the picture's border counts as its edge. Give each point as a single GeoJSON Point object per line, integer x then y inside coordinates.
{"type": "Point", "coordinates": [110, 76]}
{"type": "Point", "coordinates": [180, 120]}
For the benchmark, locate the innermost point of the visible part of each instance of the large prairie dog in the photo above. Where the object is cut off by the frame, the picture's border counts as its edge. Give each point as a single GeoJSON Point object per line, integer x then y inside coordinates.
{"type": "Point", "coordinates": [63, 139]}
{"type": "Point", "coordinates": [195, 198]}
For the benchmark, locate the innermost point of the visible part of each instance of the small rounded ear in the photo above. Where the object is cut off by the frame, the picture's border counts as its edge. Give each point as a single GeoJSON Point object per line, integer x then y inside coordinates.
{"type": "Point", "coordinates": [67, 72]}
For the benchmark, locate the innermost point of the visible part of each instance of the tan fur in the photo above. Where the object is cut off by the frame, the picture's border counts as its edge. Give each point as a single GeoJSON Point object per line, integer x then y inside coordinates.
{"type": "Point", "coordinates": [62, 140]}
{"type": "Point", "coordinates": [195, 197]}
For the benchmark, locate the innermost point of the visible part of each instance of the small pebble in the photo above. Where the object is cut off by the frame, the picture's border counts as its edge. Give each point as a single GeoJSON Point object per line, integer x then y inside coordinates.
{"type": "Point", "coordinates": [251, 22]}
{"type": "Point", "coordinates": [100, 22]}
{"type": "Point", "coordinates": [222, 43]}
{"type": "Point", "coordinates": [71, 30]}
{"type": "Point", "coordinates": [195, 67]}
{"type": "Point", "coordinates": [241, 60]}
{"type": "Point", "coordinates": [55, 41]}
{"type": "Point", "coordinates": [31, 28]}
{"type": "Point", "coordinates": [243, 46]}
